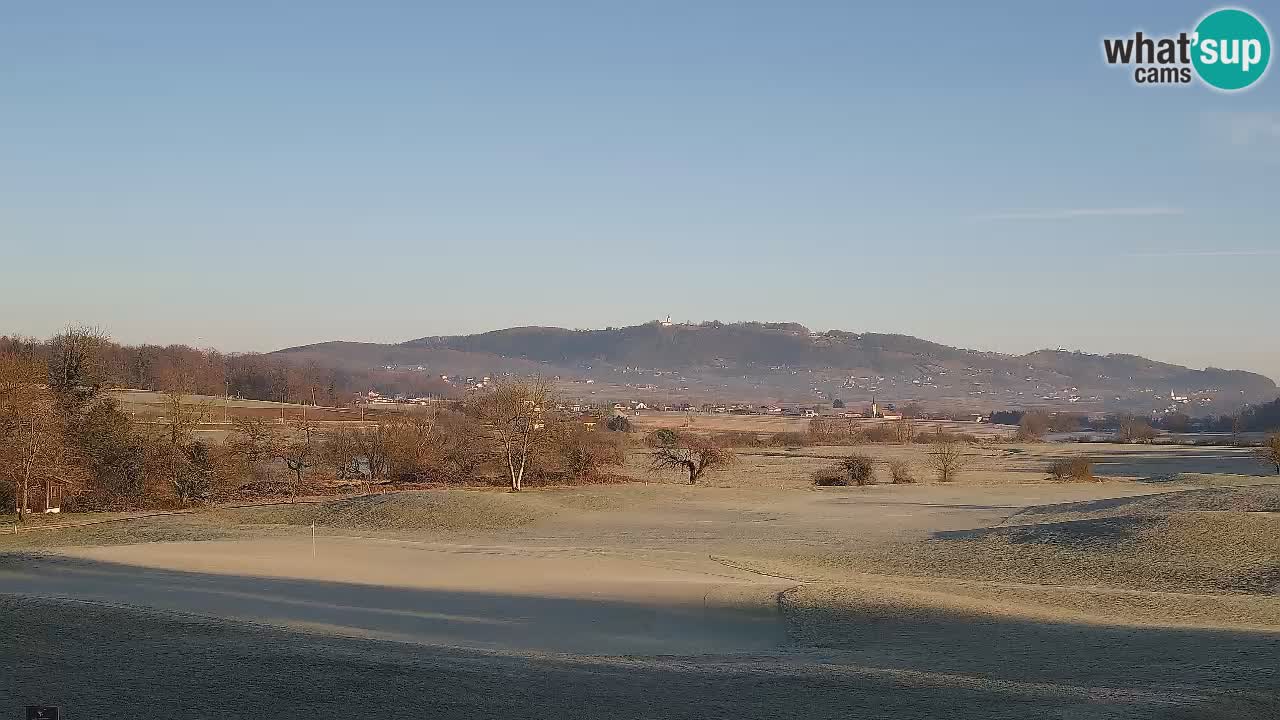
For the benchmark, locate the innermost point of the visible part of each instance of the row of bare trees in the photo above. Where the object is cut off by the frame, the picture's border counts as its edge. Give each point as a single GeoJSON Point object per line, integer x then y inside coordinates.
{"type": "Point", "coordinates": [56, 426]}
{"type": "Point", "coordinates": [513, 430]}
{"type": "Point", "coordinates": [93, 360]}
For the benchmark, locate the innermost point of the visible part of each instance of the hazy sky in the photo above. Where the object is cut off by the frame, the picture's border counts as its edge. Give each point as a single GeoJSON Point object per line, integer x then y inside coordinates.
{"type": "Point", "coordinates": [261, 174]}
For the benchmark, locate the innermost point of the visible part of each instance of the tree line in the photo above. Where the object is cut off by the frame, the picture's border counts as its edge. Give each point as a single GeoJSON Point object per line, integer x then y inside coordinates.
{"type": "Point", "coordinates": [253, 376]}
{"type": "Point", "coordinates": [1035, 424]}
{"type": "Point", "coordinates": [58, 428]}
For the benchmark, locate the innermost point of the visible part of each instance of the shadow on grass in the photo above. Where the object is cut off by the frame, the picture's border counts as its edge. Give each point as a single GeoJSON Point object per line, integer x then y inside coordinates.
{"type": "Point", "coordinates": [1159, 464]}
{"type": "Point", "coordinates": [1247, 498]}
{"type": "Point", "coordinates": [108, 662]}
{"type": "Point", "coordinates": [1070, 533]}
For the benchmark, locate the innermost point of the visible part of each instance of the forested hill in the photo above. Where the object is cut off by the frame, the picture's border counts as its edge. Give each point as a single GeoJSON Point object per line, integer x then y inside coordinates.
{"type": "Point", "coordinates": [788, 360]}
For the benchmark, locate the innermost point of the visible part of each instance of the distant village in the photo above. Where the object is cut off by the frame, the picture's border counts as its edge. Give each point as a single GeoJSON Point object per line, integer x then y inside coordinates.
{"type": "Point", "coordinates": [874, 409]}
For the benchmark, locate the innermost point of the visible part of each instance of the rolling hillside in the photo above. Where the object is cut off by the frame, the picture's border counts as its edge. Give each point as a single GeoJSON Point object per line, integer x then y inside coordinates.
{"type": "Point", "coordinates": [787, 362]}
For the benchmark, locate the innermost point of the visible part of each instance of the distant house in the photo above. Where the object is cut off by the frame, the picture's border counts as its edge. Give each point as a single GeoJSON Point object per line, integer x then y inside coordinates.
{"type": "Point", "coordinates": [46, 497]}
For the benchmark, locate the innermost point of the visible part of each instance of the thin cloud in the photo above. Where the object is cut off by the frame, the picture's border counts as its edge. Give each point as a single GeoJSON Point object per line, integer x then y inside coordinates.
{"type": "Point", "coordinates": [1248, 130]}
{"type": "Point", "coordinates": [1078, 213]}
{"type": "Point", "coordinates": [1243, 138]}
{"type": "Point", "coordinates": [1203, 253]}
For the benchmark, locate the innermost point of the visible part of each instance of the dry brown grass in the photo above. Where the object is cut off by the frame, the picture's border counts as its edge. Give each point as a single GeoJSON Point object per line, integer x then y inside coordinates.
{"type": "Point", "coordinates": [1160, 544]}
{"type": "Point", "coordinates": [421, 510]}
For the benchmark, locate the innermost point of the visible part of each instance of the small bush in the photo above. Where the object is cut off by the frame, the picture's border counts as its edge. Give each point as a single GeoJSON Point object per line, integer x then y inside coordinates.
{"type": "Point", "coordinates": [789, 439]}
{"type": "Point", "coordinates": [946, 437]}
{"type": "Point", "coordinates": [859, 470]}
{"type": "Point", "coordinates": [661, 437]}
{"type": "Point", "coordinates": [901, 472]}
{"type": "Point", "coordinates": [1072, 470]}
{"type": "Point", "coordinates": [1135, 430]}
{"type": "Point", "coordinates": [833, 431]}
{"type": "Point", "coordinates": [584, 453]}
{"type": "Point", "coordinates": [882, 433]}
{"type": "Point", "coordinates": [736, 438]}
{"type": "Point", "coordinates": [618, 423]}
{"type": "Point", "coordinates": [831, 477]}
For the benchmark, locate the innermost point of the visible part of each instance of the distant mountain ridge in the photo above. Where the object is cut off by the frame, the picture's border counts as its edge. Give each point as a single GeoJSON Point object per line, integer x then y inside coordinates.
{"type": "Point", "coordinates": [789, 362]}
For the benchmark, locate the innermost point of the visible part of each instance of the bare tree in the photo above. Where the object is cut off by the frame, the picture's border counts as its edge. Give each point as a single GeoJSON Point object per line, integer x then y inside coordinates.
{"type": "Point", "coordinates": [35, 452]}
{"type": "Point", "coordinates": [1135, 430]}
{"type": "Point", "coordinates": [174, 447]}
{"type": "Point", "coordinates": [254, 439]}
{"type": "Point", "coordinates": [411, 442]}
{"type": "Point", "coordinates": [690, 453]}
{"type": "Point", "coordinates": [1270, 451]}
{"type": "Point", "coordinates": [253, 445]}
{"type": "Point", "coordinates": [947, 459]}
{"type": "Point", "coordinates": [464, 445]}
{"type": "Point", "coordinates": [373, 444]}
{"type": "Point", "coordinates": [904, 430]}
{"type": "Point", "coordinates": [77, 363]}
{"type": "Point", "coordinates": [18, 371]}
{"type": "Point", "coordinates": [1034, 425]}
{"type": "Point", "coordinates": [515, 411]}
{"type": "Point", "coordinates": [299, 453]}
{"type": "Point", "coordinates": [340, 450]}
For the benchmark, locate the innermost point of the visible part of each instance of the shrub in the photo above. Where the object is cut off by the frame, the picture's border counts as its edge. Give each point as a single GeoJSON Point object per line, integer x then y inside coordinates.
{"type": "Point", "coordinates": [1135, 430]}
{"type": "Point", "coordinates": [1072, 470]}
{"type": "Point", "coordinates": [661, 437]}
{"type": "Point", "coordinates": [1033, 425]}
{"type": "Point", "coordinates": [858, 468]}
{"type": "Point", "coordinates": [941, 436]}
{"type": "Point", "coordinates": [901, 472]}
{"type": "Point", "coordinates": [618, 423]}
{"type": "Point", "coordinates": [790, 439]}
{"type": "Point", "coordinates": [463, 445]}
{"type": "Point", "coordinates": [736, 438]}
{"type": "Point", "coordinates": [882, 433]}
{"type": "Point", "coordinates": [833, 431]}
{"type": "Point", "coordinates": [585, 453]}
{"type": "Point", "coordinates": [834, 476]}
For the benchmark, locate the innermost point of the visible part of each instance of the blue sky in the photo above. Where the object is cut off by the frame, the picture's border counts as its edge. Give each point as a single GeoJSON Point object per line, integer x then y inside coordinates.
{"type": "Point", "coordinates": [261, 174]}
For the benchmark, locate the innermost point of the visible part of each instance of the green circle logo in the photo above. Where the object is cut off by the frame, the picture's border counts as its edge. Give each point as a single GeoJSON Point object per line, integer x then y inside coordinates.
{"type": "Point", "coordinates": [1232, 49]}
